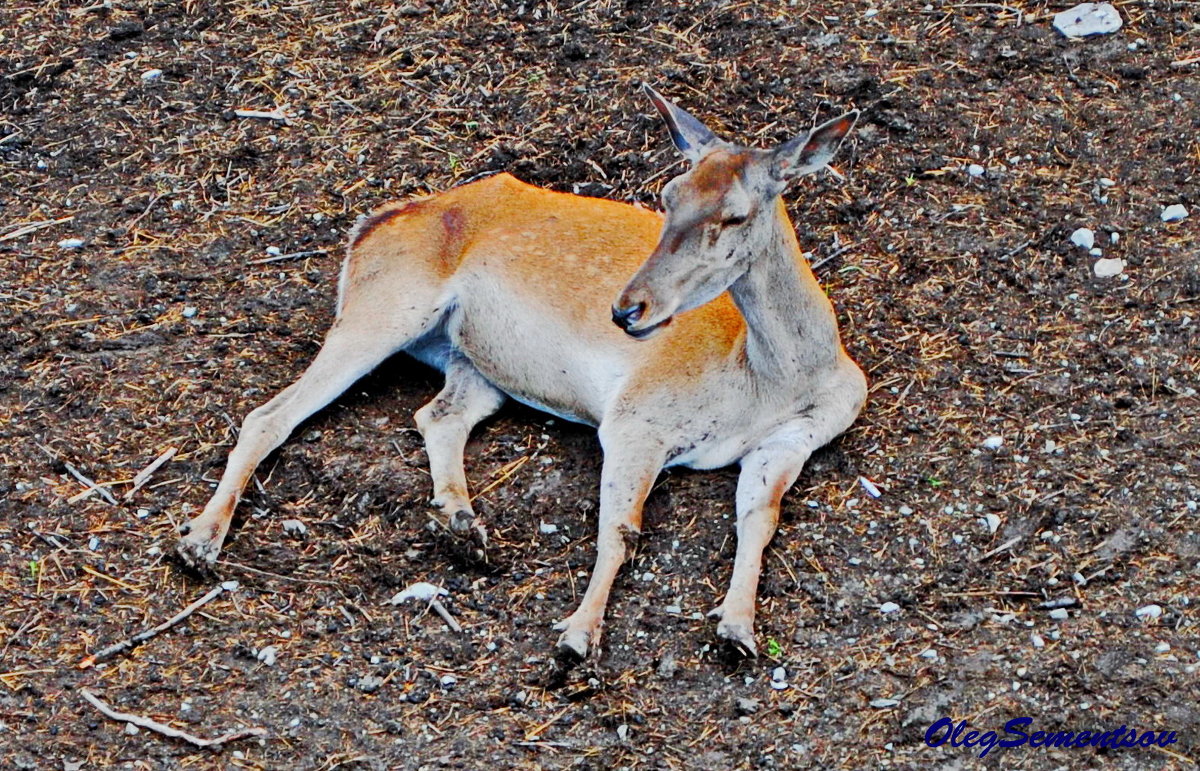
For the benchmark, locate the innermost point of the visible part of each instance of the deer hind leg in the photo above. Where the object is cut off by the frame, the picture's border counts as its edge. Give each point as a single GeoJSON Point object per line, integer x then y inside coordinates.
{"type": "Point", "coordinates": [626, 478]}
{"type": "Point", "coordinates": [446, 423]}
{"type": "Point", "coordinates": [356, 344]}
{"type": "Point", "coordinates": [767, 473]}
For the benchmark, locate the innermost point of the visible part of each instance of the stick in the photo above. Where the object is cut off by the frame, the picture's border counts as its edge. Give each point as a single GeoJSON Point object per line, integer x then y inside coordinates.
{"type": "Point", "coordinates": [445, 614]}
{"type": "Point", "coordinates": [92, 487]}
{"type": "Point", "coordinates": [32, 226]}
{"type": "Point", "coordinates": [143, 476]}
{"type": "Point", "coordinates": [167, 730]}
{"type": "Point", "coordinates": [141, 637]}
{"type": "Point", "coordinates": [284, 257]}
{"type": "Point", "coordinates": [263, 114]}
{"type": "Point", "coordinates": [1002, 547]}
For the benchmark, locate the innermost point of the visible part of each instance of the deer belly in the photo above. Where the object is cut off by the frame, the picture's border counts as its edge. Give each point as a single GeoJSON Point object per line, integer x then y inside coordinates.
{"type": "Point", "coordinates": [536, 362]}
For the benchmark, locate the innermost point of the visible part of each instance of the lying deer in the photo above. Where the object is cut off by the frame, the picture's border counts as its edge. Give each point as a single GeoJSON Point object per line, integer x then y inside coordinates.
{"type": "Point", "coordinates": [724, 349]}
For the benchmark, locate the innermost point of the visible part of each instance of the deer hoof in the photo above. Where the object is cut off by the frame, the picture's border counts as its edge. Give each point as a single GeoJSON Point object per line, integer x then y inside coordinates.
{"type": "Point", "coordinates": [571, 648]}
{"type": "Point", "coordinates": [198, 547]}
{"type": "Point", "coordinates": [738, 638]}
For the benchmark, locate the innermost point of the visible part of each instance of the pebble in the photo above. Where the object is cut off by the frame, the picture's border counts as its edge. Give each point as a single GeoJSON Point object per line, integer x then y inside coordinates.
{"type": "Point", "coordinates": [369, 683]}
{"type": "Point", "coordinates": [1084, 238]}
{"type": "Point", "coordinates": [1096, 251]}
{"type": "Point", "coordinates": [449, 681]}
{"type": "Point", "coordinates": [1149, 611]}
{"type": "Point", "coordinates": [189, 312]}
{"type": "Point", "coordinates": [889, 607]}
{"type": "Point", "coordinates": [1174, 213]}
{"type": "Point", "coordinates": [230, 586]}
{"type": "Point", "coordinates": [623, 732]}
{"type": "Point", "coordinates": [1106, 182]}
{"type": "Point", "coordinates": [1060, 614]}
{"type": "Point", "coordinates": [1162, 647]}
{"type": "Point", "coordinates": [992, 522]}
{"type": "Point", "coordinates": [1037, 640]}
{"type": "Point", "coordinates": [274, 251]}
{"type": "Point", "coordinates": [870, 487]}
{"type": "Point", "coordinates": [884, 703]}
{"type": "Point", "coordinates": [268, 655]}
{"type": "Point", "coordinates": [151, 75]}
{"type": "Point", "coordinates": [295, 527]}
{"type": "Point", "coordinates": [779, 674]}
{"type": "Point", "coordinates": [975, 170]}
{"type": "Point", "coordinates": [70, 243]}
{"type": "Point", "coordinates": [929, 654]}
{"type": "Point", "coordinates": [993, 442]}
{"type": "Point", "coordinates": [547, 528]}
{"type": "Point", "coordinates": [1088, 19]}
{"type": "Point", "coordinates": [745, 706]}
{"type": "Point", "coordinates": [905, 511]}
{"type": "Point", "coordinates": [1114, 237]}
{"type": "Point", "coordinates": [93, 544]}
{"type": "Point", "coordinates": [131, 729]}
{"type": "Point", "coordinates": [1108, 267]}
{"type": "Point", "coordinates": [668, 666]}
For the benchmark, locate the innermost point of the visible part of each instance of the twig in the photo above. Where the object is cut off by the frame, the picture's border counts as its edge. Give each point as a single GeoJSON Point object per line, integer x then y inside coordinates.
{"type": "Point", "coordinates": [32, 226]}
{"type": "Point", "coordinates": [834, 255]}
{"type": "Point", "coordinates": [262, 114]}
{"type": "Point", "coordinates": [1181, 63]}
{"type": "Point", "coordinates": [284, 257]}
{"type": "Point", "coordinates": [167, 730]}
{"type": "Point", "coordinates": [143, 476]}
{"type": "Point", "coordinates": [445, 614]}
{"type": "Point", "coordinates": [92, 487]}
{"type": "Point", "coordinates": [1002, 547]}
{"type": "Point", "coordinates": [141, 637]}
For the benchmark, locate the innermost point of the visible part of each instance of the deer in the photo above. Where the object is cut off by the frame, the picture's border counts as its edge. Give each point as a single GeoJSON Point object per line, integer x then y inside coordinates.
{"type": "Point", "coordinates": [720, 348]}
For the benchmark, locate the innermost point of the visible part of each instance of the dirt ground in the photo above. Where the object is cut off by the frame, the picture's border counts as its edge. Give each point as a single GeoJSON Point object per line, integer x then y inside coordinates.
{"type": "Point", "coordinates": [958, 290]}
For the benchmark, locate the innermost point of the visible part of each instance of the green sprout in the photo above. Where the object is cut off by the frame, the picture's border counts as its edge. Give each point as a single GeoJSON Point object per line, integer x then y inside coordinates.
{"type": "Point", "coordinates": [934, 481]}
{"type": "Point", "coordinates": [34, 566]}
{"type": "Point", "coordinates": [774, 648]}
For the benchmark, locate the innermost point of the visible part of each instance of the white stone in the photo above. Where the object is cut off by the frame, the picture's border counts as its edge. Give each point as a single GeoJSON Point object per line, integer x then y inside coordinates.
{"type": "Point", "coordinates": [1096, 251]}
{"type": "Point", "coordinates": [1162, 647]}
{"type": "Point", "coordinates": [418, 591]}
{"type": "Point", "coordinates": [975, 170]}
{"type": "Point", "coordinates": [905, 511]}
{"type": "Point", "coordinates": [884, 703]}
{"type": "Point", "coordinates": [1084, 238]}
{"type": "Point", "coordinates": [151, 74]}
{"type": "Point", "coordinates": [1108, 267]}
{"type": "Point", "coordinates": [71, 243]}
{"type": "Point", "coordinates": [295, 527]}
{"type": "Point", "coordinates": [268, 655]}
{"type": "Point", "coordinates": [1174, 212]}
{"type": "Point", "coordinates": [993, 442]}
{"type": "Point", "coordinates": [779, 674]}
{"type": "Point", "coordinates": [449, 681]}
{"type": "Point", "coordinates": [991, 522]}
{"type": "Point", "coordinates": [929, 654]}
{"type": "Point", "coordinates": [1148, 611]}
{"type": "Point", "coordinates": [1060, 614]}
{"type": "Point", "coordinates": [889, 607]}
{"type": "Point", "coordinates": [1037, 640]}
{"type": "Point", "coordinates": [547, 528]}
{"type": "Point", "coordinates": [1088, 19]}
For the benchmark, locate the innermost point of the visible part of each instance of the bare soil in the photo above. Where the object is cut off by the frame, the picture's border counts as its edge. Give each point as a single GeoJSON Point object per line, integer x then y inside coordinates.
{"type": "Point", "coordinates": [960, 294]}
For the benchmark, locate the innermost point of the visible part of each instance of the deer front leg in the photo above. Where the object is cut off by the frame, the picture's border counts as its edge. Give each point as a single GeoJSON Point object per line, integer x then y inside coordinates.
{"type": "Point", "coordinates": [628, 474]}
{"type": "Point", "coordinates": [446, 423]}
{"type": "Point", "coordinates": [767, 473]}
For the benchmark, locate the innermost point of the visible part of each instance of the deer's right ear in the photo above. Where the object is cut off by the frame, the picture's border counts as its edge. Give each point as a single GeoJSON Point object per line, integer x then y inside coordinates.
{"type": "Point", "coordinates": [691, 137]}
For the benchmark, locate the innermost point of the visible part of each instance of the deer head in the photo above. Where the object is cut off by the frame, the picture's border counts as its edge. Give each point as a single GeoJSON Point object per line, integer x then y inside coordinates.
{"type": "Point", "coordinates": [719, 215]}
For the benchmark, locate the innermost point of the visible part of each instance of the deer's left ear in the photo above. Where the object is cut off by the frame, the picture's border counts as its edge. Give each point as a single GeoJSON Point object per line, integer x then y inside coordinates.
{"type": "Point", "coordinates": [813, 152]}
{"type": "Point", "coordinates": [691, 137]}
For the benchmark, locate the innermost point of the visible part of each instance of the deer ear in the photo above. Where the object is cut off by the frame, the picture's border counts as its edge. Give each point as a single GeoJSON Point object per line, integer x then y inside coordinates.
{"type": "Point", "coordinates": [691, 137]}
{"type": "Point", "coordinates": [806, 154]}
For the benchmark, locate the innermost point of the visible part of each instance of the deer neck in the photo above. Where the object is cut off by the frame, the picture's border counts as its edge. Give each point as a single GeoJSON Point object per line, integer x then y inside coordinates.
{"type": "Point", "coordinates": [790, 326]}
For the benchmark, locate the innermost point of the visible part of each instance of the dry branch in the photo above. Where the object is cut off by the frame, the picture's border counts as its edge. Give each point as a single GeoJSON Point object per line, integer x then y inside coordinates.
{"type": "Point", "coordinates": [166, 730]}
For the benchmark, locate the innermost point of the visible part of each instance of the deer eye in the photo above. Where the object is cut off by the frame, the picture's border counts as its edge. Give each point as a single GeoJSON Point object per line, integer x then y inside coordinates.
{"type": "Point", "coordinates": [732, 222]}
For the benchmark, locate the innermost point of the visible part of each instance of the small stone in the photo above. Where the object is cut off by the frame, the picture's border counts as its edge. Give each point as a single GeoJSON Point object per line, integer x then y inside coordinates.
{"type": "Point", "coordinates": [230, 586]}
{"type": "Point", "coordinates": [449, 681]}
{"type": "Point", "coordinates": [745, 706]}
{"type": "Point", "coordinates": [143, 513]}
{"type": "Point", "coordinates": [870, 487]}
{"type": "Point", "coordinates": [369, 683]}
{"type": "Point", "coordinates": [189, 312]}
{"type": "Point", "coordinates": [993, 442]}
{"type": "Point", "coordinates": [929, 654]}
{"type": "Point", "coordinates": [1108, 267]}
{"type": "Point", "coordinates": [1037, 640]}
{"type": "Point", "coordinates": [1088, 19]}
{"type": "Point", "coordinates": [668, 666]}
{"type": "Point", "coordinates": [884, 703]}
{"type": "Point", "coordinates": [1084, 238]}
{"type": "Point", "coordinates": [131, 729]}
{"type": "Point", "coordinates": [1114, 237]}
{"type": "Point", "coordinates": [905, 511]}
{"type": "Point", "coordinates": [71, 243]}
{"type": "Point", "coordinates": [94, 543]}
{"type": "Point", "coordinates": [647, 576]}
{"type": "Point", "coordinates": [854, 561]}
{"type": "Point", "coordinates": [1162, 647]}
{"type": "Point", "coordinates": [975, 170]}
{"type": "Point", "coordinates": [548, 529]}
{"type": "Point", "coordinates": [1149, 611]}
{"type": "Point", "coordinates": [674, 610]}
{"type": "Point", "coordinates": [991, 522]}
{"type": "Point", "coordinates": [1106, 182]}
{"type": "Point", "coordinates": [1096, 251]}
{"type": "Point", "coordinates": [623, 732]}
{"type": "Point", "coordinates": [149, 75]}
{"type": "Point", "coordinates": [295, 527]}
{"type": "Point", "coordinates": [779, 674]}
{"type": "Point", "coordinates": [889, 607]}
{"type": "Point", "coordinates": [268, 655]}
{"type": "Point", "coordinates": [1060, 614]}
{"type": "Point", "coordinates": [274, 251]}
{"type": "Point", "coordinates": [1174, 212]}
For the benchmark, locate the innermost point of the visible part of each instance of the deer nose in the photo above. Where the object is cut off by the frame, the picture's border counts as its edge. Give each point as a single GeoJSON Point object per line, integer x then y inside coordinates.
{"type": "Point", "coordinates": [627, 316]}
